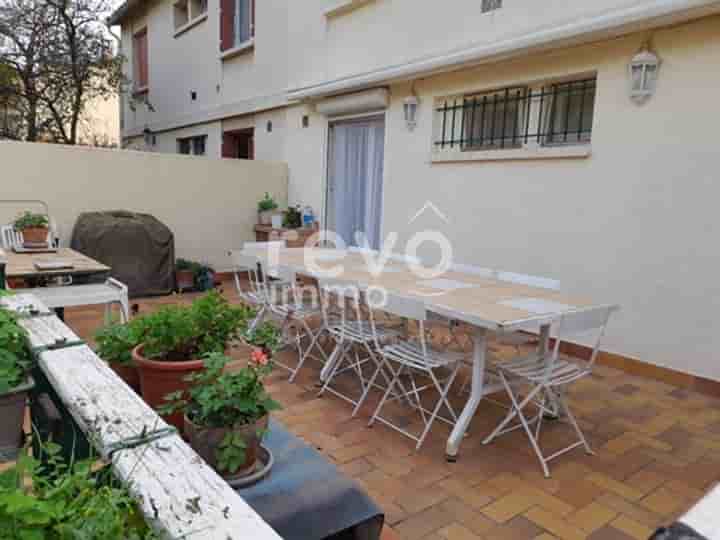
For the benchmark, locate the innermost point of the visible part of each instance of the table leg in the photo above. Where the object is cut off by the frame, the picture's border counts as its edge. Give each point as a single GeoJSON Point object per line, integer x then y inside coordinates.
{"type": "Point", "coordinates": [476, 394]}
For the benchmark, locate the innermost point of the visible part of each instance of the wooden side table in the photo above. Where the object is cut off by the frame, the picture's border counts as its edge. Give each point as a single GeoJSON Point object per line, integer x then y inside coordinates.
{"type": "Point", "coordinates": [295, 238]}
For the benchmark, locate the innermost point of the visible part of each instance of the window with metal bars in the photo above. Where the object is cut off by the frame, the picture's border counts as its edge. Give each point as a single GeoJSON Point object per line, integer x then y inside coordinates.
{"type": "Point", "coordinates": [550, 115]}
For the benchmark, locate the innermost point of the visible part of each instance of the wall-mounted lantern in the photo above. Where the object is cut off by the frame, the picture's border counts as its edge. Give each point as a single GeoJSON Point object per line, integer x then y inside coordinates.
{"type": "Point", "coordinates": [643, 73]}
{"type": "Point", "coordinates": [410, 106]}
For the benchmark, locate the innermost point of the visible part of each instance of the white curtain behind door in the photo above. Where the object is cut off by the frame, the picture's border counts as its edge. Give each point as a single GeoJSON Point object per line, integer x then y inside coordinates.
{"type": "Point", "coordinates": [355, 176]}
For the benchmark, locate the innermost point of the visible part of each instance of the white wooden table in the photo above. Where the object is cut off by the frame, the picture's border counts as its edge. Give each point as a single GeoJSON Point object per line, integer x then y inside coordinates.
{"type": "Point", "coordinates": [486, 304]}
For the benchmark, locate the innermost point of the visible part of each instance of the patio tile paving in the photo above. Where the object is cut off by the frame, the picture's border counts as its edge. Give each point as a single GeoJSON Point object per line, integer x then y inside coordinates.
{"type": "Point", "coordinates": [656, 455]}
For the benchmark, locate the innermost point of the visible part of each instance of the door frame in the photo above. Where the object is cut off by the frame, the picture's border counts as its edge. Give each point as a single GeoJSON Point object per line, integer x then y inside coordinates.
{"type": "Point", "coordinates": [347, 119]}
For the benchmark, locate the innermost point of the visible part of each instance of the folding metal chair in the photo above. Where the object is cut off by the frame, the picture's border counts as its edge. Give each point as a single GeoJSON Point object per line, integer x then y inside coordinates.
{"type": "Point", "coordinates": [356, 340]}
{"type": "Point", "coordinates": [10, 237]}
{"type": "Point", "coordinates": [295, 314]}
{"type": "Point", "coordinates": [262, 286]}
{"type": "Point", "coordinates": [412, 359]}
{"type": "Point", "coordinates": [549, 376]}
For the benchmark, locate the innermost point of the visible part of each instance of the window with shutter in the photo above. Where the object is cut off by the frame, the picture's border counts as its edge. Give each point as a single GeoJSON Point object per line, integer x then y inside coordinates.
{"type": "Point", "coordinates": [140, 49]}
{"type": "Point", "coordinates": [237, 23]}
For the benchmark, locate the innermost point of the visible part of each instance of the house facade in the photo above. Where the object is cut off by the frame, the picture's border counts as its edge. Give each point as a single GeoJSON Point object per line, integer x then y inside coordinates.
{"type": "Point", "coordinates": [541, 147]}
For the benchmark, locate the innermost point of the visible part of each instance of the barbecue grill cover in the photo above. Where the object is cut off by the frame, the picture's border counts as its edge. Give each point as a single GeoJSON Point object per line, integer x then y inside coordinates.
{"type": "Point", "coordinates": [139, 248]}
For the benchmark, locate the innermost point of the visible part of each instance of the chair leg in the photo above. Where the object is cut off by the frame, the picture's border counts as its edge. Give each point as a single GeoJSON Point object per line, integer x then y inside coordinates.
{"type": "Point", "coordinates": [303, 355]}
{"type": "Point", "coordinates": [388, 391]}
{"type": "Point", "coordinates": [564, 406]}
{"type": "Point", "coordinates": [335, 362]}
{"type": "Point", "coordinates": [442, 401]}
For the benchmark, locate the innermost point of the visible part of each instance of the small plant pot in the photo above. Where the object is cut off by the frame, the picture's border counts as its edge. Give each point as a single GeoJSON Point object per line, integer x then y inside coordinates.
{"type": "Point", "coordinates": [158, 379]}
{"type": "Point", "coordinates": [35, 235]}
{"type": "Point", "coordinates": [12, 415]}
{"type": "Point", "coordinates": [129, 374]}
{"type": "Point", "coordinates": [185, 279]}
{"type": "Point", "coordinates": [206, 441]}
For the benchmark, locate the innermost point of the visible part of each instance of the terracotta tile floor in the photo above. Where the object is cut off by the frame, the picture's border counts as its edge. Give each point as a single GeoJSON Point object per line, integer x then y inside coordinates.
{"type": "Point", "coordinates": [657, 453]}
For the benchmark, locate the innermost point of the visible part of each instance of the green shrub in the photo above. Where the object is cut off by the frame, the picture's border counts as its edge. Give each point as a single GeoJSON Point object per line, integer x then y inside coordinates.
{"type": "Point", "coordinates": [72, 503]}
{"type": "Point", "coordinates": [115, 342]}
{"type": "Point", "coordinates": [14, 352]}
{"type": "Point", "coordinates": [267, 203]}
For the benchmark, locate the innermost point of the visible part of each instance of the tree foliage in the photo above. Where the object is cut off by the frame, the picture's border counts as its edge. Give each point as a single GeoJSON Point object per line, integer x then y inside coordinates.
{"type": "Point", "coordinates": [60, 56]}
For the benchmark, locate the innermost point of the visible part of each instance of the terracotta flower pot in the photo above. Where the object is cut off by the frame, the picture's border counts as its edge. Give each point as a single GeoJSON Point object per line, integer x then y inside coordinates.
{"type": "Point", "coordinates": [158, 379]}
{"type": "Point", "coordinates": [35, 235]}
{"type": "Point", "coordinates": [129, 374]}
{"type": "Point", "coordinates": [185, 279]}
{"type": "Point", "coordinates": [206, 441]}
{"type": "Point", "coordinates": [12, 415]}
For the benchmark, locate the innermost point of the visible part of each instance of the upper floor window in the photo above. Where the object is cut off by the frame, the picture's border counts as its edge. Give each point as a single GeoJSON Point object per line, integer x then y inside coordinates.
{"type": "Point", "coordinates": [188, 11]}
{"type": "Point", "coordinates": [193, 146]}
{"type": "Point", "coordinates": [490, 5]}
{"type": "Point", "coordinates": [237, 23]}
{"type": "Point", "coordinates": [140, 60]}
{"type": "Point", "coordinates": [552, 114]}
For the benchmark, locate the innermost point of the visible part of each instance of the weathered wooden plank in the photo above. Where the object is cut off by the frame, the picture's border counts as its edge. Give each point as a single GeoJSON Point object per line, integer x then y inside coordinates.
{"type": "Point", "coordinates": [182, 495]}
{"type": "Point", "coordinates": [24, 304]}
{"type": "Point", "coordinates": [105, 408]}
{"type": "Point", "coordinates": [23, 264]}
{"type": "Point", "coordinates": [48, 332]}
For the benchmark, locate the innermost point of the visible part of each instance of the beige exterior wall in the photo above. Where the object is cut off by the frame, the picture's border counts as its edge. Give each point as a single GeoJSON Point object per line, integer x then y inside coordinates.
{"type": "Point", "coordinates": [210, 205]}
{"type": "Point", "coordinates": [631, 223]}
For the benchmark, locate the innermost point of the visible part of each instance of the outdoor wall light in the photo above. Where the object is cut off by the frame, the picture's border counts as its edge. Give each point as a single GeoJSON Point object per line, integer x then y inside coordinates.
{"type": "Point", "coordinates": [643, 73]}
{"type": "Point", "coordinates": [410, 106]}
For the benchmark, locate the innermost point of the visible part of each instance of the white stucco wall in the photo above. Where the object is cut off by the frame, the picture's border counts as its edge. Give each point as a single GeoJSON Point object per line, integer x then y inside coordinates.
{"type": "Point", "coordinates": [636, 223]}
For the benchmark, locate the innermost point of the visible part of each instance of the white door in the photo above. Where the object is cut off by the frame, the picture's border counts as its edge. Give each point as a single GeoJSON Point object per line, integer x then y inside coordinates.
{"type": "Point", "coordinates": [353, 202]}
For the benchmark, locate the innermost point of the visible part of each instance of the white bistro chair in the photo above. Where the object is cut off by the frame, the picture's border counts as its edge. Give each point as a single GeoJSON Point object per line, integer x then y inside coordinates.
{"type": "Point", "coordinates": [549, 375]}
{"type": "Point", "coordinates": [10, 237]}
{"type": "Point", "coordinates": [258, 295]}
{"type": "Point", "coordinates": [416, 367]}
{"type": "Point", "coordinates": [356, 339]}
{"type": "Point", "coordinates": [295, 314]}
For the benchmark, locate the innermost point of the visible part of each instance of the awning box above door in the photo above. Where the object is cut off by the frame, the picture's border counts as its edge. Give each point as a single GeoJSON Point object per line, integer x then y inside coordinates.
{"type": "Point", "coordinates": [376, 99]}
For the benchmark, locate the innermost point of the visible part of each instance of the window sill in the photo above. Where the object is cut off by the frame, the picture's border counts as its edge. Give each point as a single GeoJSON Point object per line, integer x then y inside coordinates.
{"type": "Point", "coordinates": [188, 25]}
{"type": "Point", "coordinates": [538, 152]}
{"type": "Point", "coordinates": [243, 48]}
{"type": "Point", "coordinates": [341, 7]}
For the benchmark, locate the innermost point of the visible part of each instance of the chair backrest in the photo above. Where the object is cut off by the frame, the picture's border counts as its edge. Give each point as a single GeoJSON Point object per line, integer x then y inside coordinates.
{"type": "Point", "coordinates": [474, 270]}
{"type": "Point", "coordinates": [250, 264]}
{"type": "Point", "coordinates": [342, 300]}
{"type": "Point", "coordinates": [589, 323]}
{"type": "Point", "coordinates": [10, 237]}
{"type": "Point", "coordinates": [402, 306]}
{"type": "Point", "coordinates": [531, 281]}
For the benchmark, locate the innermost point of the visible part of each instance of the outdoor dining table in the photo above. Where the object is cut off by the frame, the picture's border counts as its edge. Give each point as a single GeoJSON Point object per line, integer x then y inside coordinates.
{"type": "Point", "coordinates": [488, 305]}
{"type": "Point", "coordinates": [25, 265]}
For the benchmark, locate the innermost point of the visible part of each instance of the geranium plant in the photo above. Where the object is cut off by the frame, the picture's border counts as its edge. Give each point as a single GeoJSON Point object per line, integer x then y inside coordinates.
{"type": "Point", "coordinates": [14, 352]}
{"type": "Point", "coordinates": [230, 400]}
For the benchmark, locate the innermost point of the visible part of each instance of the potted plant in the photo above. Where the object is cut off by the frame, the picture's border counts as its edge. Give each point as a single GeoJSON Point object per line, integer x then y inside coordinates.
{"type": "Point", "coordinates": [226, 413]}
{"type": "Point", "coordinates": [15, 384]}
{"type": "Point", "coordinates": [184, 274]}
{"type": "Point", "coordinates": [73, 502]}
{"type": "Point", "coordinates": [114, 344]}
{"type": "Point", "coordinates": [175, 340]}
{"type": "Point", "coordinates": [34, 227]}
{"type": "Point", "coordinates": [293, 218]}
{"type": "Point", "coordinates": [204, 277]}
{"type": "Point", "coordinates": [267, 207]}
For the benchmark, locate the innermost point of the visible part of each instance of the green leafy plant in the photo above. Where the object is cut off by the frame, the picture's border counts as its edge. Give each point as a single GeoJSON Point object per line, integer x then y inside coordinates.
{"type": "Point", "coordinates": [220, 399]}
{"type": "Point", "coordinates": [292, 218]}
{"type": "Point", "coordinates": [267, 203]}
{"type": "Point", "coordinates": [14, 353]}
{"type": "Point", "coordinates": [202, 273]}
{"type": "Point", "coordinates": [75, 502]}
{"type": "Point", "coordinates": [264, 336]}
{"type": "Point", "coordinates": [184, 264]}
{"type": "Point", "coordinates": [28, 220]}
{"type": "Point", "coordinates": [179, 333]}
{"type": "Point", "coordinates": [115, 342]}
